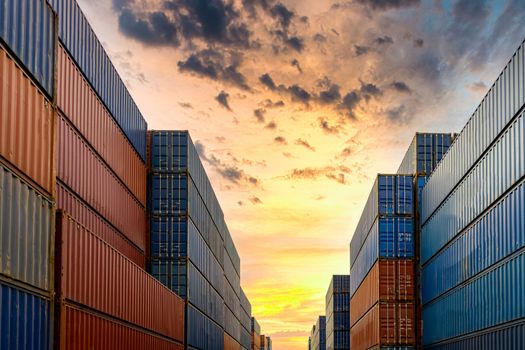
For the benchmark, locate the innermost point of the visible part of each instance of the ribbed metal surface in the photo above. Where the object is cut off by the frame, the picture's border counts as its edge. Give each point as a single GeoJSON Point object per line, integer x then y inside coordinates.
{"type": "Point", "coordinates": [197, 325]}
{"type": "Point", "coordinates": [28, 28]}
{"type": "Point", "coordinates": [424, 153]}
{"type": "Point", "coordinates": [505, 98]}
{"type": "Point", "coordinates": [495, 173]}
{"type": "Point", "coordinates": [87, 330]}
{"type": "Point", "coordinates": [81, 42]}
{"type": "Point", "coordinates": [230, 343]}
{"type": "Point", "coordinates": [337, 313]}
{"type": "Point", "coordinates": [25, 321]}
{"type": "Point", "coordinates": [231, 274]}
{"type": "Point", "coordinates": [317, 335]}
{"type": "Point", "coordinates": [113, 284]}
{"type": "Point", "coordinates": [490, 299]}
{"type": "Point", "coordinates": [245, 303]}
{"type": "Point", "coordinates": [246, 340]}
{"type": "Point", "coordinates": [255, 326]}
{"type": "Point", "coordinates": [26, 232]}
{"type": "Point", "coordinates": [26, 123]}
{"type": "Point", "coordinates": [231, 324]}
{"type": "Point", "coordinates": [203, 296]}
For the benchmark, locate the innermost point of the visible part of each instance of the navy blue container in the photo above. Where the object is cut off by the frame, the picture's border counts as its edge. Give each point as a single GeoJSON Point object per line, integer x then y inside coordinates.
{"type": "Point", "coordinates": [338, 313]}
{"type": "Point", "coordinates": [28, 29]}
{"type": "Point", "coordinates": [84, 47]}
{"type": "Point", "coordinates": [202, 332]}
{"type": "Point", "coordinates": [25, 319]}
{"type": "Point", "coordinates": [424, 153]}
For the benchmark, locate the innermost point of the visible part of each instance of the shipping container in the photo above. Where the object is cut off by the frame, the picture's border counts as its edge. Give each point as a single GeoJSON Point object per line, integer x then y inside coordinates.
{"type": "Point", "coordinates": [246, 339]}
{"type": "Point", "coordinates": [25, 319]}
{"type": "Point", "coordinates": [391, 195]}
{"type": "Point", "coordinates": [83, 214]}
{"type": "Point", "coordinates": [111, 283]}
{"type": "Point", "coordinates": [386, 324]}
{"type": "Point", "coordinates": [84, 47]}
{"type": "Point", "coordinates": [83, 329]}
{"type": "Point", "coordinates": [84, 173]}
{"type": "Point", "coordinates": [424, 153]}
{"type": "Point", "coordinates": [491, 298]}
{"type": "Point", "coordinates": [501, 166]}
{"type": "Point", "coordinates": [198, 325]}
{"type": "Point", "coordinates": [337, 313]}
{"type": "Point", "coordinates": [172, 273]}
{"type": "Point", "coordinates": [28, 27]}
{"type": "Point", "coordinates": [388, 280]}
{"type": "Point", "coordinates": [497, 234]}
{"type": "Point", "coordinates": [26, 232]}
{"type": "Point", "coordinates": [390, 237]}
{"type": "Point", "coordinates": [230, 343]}
{"type": "Point", "coordinates": [256, 341]}
{"type": "Point", "coordinates": [231, 324]}
{"type": "Point", "coordinates": [26, 125]}
{"type": "Point", "coordinates": [499, 106]}
{"type": "Point", "coordinates": [94, 122]}
{"type": "Point", "coordinates": [245, 302]}
{"type": "Point", "coordinates": [203, 296]}
{"type": "Point", "coordinates": [317, 335]}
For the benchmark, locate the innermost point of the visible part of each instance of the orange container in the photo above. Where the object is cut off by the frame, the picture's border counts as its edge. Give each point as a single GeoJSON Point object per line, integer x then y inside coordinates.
{"type": "Point", "coordinates": [388, 280]}
{"type": "Point", "coordinates": [230, 343]}
{"type": "Point", "coordinates": [256, 341]}
{"type": "Point", "coordinates": [79, 103]}
{"type": "Point", "coordinates": [26, 126]}
{"type": "Point", "coordinates": [386, 324]}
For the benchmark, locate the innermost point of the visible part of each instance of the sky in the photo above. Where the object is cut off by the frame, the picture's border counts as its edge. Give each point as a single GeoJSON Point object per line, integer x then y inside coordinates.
{"type": "Point", "coordinates": [295, 106]}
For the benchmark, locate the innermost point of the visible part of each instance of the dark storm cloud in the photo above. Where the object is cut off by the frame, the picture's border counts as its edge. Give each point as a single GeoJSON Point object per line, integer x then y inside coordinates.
{"type": "Point", "coordinates": [401, 87]}
{"type": "Point", "coordinates": [388, 4]}
{"type": "Point", "coordinates": [267, 81]}
{"type": "Point", "coordinates": [331, 95]}
{"type": "Point", "coordinates": [295, 63]}
{"type": "Point", "coordinates": [156, 29]}
{"type": "Point", "coordinates": [294, 42]}
{"type": "Point", "coordinates": [259, 114]}
{"type": "Point", "coordinates": [384, 40]}
{"type": "Point", "coordinates": [299, 94]}
{"type": "Point", "coordinates": [222, 98]}
{"type": "Point", "coordinates": [349, 103]}
{"type": "Point", "coordinates": [282, 14]}
{"type": "Point", "coordinates": [304, 143]}
{"type": "Point", "coordinates": [361, 50]}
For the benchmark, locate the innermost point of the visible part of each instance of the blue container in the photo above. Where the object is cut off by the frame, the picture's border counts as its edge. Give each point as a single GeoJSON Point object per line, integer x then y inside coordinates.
{"type": "Point", "coordinates": [87, 51]}
{"type": "Point", "coordinates": [202, 332]}
{"type": "Point", "coordinates": [232, 326]}
{"type": "Point", "coordinates": [25, 319]}
{"type": "Point", "coordinates": [391, 195]}
{"type": "Point", "coordinates": [28, 29]}
{"type": "Point", "coordinates": [497, 234]}
{"type": "Point", "coordinates": [172, 273]}
{"type": "Point", "coordinates": [504, 99]}
{"type": "Point", "coordinates": [26, 232]}
{"type": "Point", "coordinates": [255, 327]}
{"type": "Point", "coordinates": [490, 299]}
{"type": "Point", "coordinates": [338, 312]}
{"type": "Point", "coordinates": [499, 169]}
{"type": "Point", "coordinates": [246, 339]}
{"type": "Point", "coordinates": [203, 296]}
{"type": "Point", "coordinates": [424, 153]}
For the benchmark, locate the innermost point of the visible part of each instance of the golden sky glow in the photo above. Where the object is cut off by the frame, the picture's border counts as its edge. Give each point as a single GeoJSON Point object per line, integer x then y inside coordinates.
{"type": "Point", "coordinates": [314, 162]}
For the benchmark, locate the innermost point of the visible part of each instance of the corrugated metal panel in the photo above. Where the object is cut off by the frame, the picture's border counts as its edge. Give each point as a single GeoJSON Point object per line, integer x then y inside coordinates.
{"type": "Point", "coordinates": [390, 195]}
{"type": "Point", "coordinates": [509, 337]}
{"type": "Point", "coordinates": [172, 273]}
{"type": "Point", "coordinates": [385, 324]}
{"type": "Point", "coordinates": [82, 171]}
{"type": "Point", "coordinates": [115, 285]}
{"type": "Point", "coordinates": [501, 167]}
{"type": "Point", "coordinates": [231, 299]}
{"type": "Point", "coordinates": [26, 124]}
{"type": "Point", "coordinates": [505, 98]}
{"type": "Point", "coordinates": [244, 319]}
{"type": "Point", "coordinates": [246, 340]}
{"type": "Point", "coordinates": [28, 28]}
{"type": "Point", "coordinates": [390, 237]}
{"type": "Point", "coordinates": [245, 303]}
{"type": "Point", "coordinates": [75, 207]}
{"type": "Point", "coordinates": [230, 343]}
{"type": "Point", "coordinates": [98, 127]}
{"type": "Point", "coordinates": [81, 42]}
{"type": "Point", "coordinates": [231, 324]}
{"type": "Point", "coordinates": [497, 234]}
{"type": "Point", "coordinates": [490, 299]}
{"type": "Point", "coordinates": [255, 326]}
{"type": "Point", "coordinates": [86, 330]}
{"type": "Point", "coordinates": [25, 321]}
{"type": "Point", "coordinates": [424, 153]}
{"type": "Point", "coordinates": [256, 341]}
{"type": "Point", "coordinates": [388, 280]}
{"type": "Point", "coordinates": [26, 232]}
{"type": "Point", "coordinates": [337, 311]}
{"type": "Point", "coordinates": [197, 325]}
{"type": "Point", "coordinates": [202, 295]}
{"type": "Point", "coordinates": [231, 274]}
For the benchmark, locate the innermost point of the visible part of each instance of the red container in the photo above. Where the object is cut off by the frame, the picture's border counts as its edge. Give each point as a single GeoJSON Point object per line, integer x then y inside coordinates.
{"type": "Point", "coordinates": [75, 207]}
{"type": "Point", "coordinates": [92, 273]}
{"type": "Point", "coordinates": [84, 172]}
{"type": "Point", "coordinates": [388, 280]}
{"type": "Point", "coordinates": [230, 343]}
{"type": "Point", "coordinates": [79, 103]}
{"type": "Point", "coordinates": [256, 341]}
{"type": "Point", "coordinates": [26, 126]}
{"type": "Point", "coordinates": [386, 324]}
{"type": "Point", "coordinates": [263, 341]}
{"type": "Point", "coordinates": [86, 330]}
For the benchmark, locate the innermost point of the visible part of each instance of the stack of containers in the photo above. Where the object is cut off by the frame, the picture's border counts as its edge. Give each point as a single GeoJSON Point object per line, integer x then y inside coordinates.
{"type": "Point", "coordinates": [256, 334]}
{"type": "Point", "coordinates": [27, 184]}
{"type": "Point", "coordinates": [424, 153]}
{"type": "Point", "coordinates": [245, 318]}
{"type": "Point", "coordinates": [268, 343]}
{"type": "Point", "coordinates": [318, 335]}
{"type": "Point", "coordinates": [263, 342]}
{"type": "Point", "coordinates": [382, 267]}
{"type": "Point", "coordinates": [473, 227]}
{"type": "Point", "coordinates": [232, 288]}
{"type": "Point", "coordinates": [310, 343]}
{"type": "Point", "coordinates": [337, 313]}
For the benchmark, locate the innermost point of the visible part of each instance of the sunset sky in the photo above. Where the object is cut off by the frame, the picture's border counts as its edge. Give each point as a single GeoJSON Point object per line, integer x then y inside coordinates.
{"type": "Point", "coordinates": [295, 105]}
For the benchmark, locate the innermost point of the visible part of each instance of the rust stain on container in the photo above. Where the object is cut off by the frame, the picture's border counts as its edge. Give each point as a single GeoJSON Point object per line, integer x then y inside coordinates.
{"type": "Point", "coordinates": [83, 171]}
{"type": "Point", "coordinates": [80, 104]}
{"type": "Point", "coordinates": [26, 125]}
{"type": "Point", "coordinates": [92, 273]}
{"type": "Point", "coordinates": [388, 280]}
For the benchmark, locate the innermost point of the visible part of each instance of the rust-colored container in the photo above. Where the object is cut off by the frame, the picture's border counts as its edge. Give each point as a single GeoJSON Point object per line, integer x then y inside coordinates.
{"type": "Point", "coordinates": [26, 126]}
{"type": "Point", "coordinates": [230, 343]}
{"type": "Point", "coordinates": [85, 173]}
{"type": "Point", "coordinates": [74, 206]}
{"type": "Point", "coordinates": [92, 273]}
{"type": "Point", "coordinates": [388, 280]}
{"type": "Point", "coordinates": [256, 341]}
{"type": "Point", "coordinates": [386, 324]}
{"type": "Point", "coordinates": [86, 330]}
{"type": "Point", "coordinates": [263, 341]}
{"type": "Point", "coordinates": [79, 103]}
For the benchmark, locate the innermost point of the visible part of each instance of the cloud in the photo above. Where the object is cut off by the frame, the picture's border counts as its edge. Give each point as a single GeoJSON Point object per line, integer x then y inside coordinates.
{"type": "Point", "coordinates": [331, 95]}
{"type": "Point", "coordinates": [280, 140]}
{"type": "Point", "coordinates": [186, 105]}
{"type": "Point", "coordinates": [350, 103]}
{"type": "Point", "coordinates": [259, 114]}
{"type": "Point", "coordinates": [327, 128]}
{"type": "Point", "coordinates": [271, 125]}
{"type": "Point", "coordinates": [320, 38]}
{"type": "Point", "coordinates": [255, 200]}
{"type": "Point", "coordinates": [398, 115]}
{"type": "Point", "coordinates": [478, 87]}
{"type": "Point", "coordinates": [270, 104]}
{"type": "Point", "coordinates": [304, 143]}
{"type": "Point", "coordinates": [154, 29]}
{"type": "Point", "coordinates": [267, 81]}
{"type": "Point", "coordinates": [401, 86]}
{"type": "Point", "coordinates": [295, 63]}
{"type": "Point", "coordinates": [384, 40]}
{"type": "Point", "coordinates": [369, 90]}
{"type": "Point", "coordinates": [418, 43]}
{"type": "Point", "coordinates": [335, 173]}
{"type": "Point", "coordinates": [222, 98]}
{"type": "Point", "coordinates": [388, 4]}
{"type": "Point", "coordinates": [282, 14]}
{"type": "Point", "coordinates": [361, 50]}
{"type": "Point", "coordinates": [346, 152]}
{"type": "Point", "coordinates": [299, 94]}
